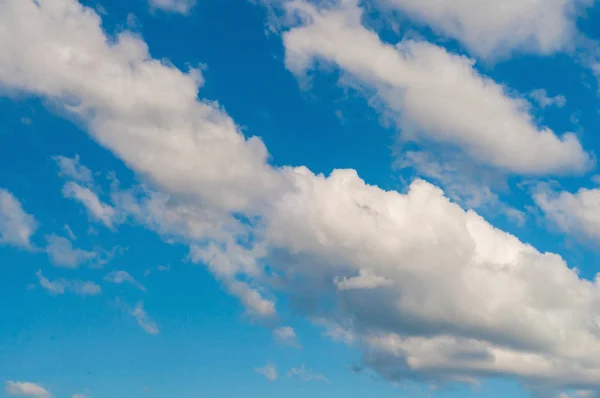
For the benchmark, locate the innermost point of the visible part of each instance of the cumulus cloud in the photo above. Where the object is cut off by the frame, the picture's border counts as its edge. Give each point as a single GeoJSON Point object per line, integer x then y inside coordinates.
{"type": "Point", "coordinates": [432, 94]}
{"type": "Point", "coordinates": [62, 285]}
{"type": "Point", "coordinates": [120, 277]}
{"type": "Point", "coordinates": [269, 372]}
{"type": "Point", "coordinates": [26, 389]}
{"type": "Point", "coordinates": [144, 320]}
{"type": "Point", "coordinates": [461, 299]}
{"type": "Point", "coordinates": [178, 6]}
{"type": "Point", "coordinates": [491, 29]}
{"type": "Point", "coordinates": [574, 213]}
{"type": "Point", "coordinates": [16, 226]}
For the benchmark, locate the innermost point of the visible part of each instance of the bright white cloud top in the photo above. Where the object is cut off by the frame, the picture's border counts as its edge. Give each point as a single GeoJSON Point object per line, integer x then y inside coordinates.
{"type": "Point", "coordinates": [432, 94]}
{"type": "Point", "coordinates": [491, 28]}
{"type": "Point", "coordinates": [428, 290]}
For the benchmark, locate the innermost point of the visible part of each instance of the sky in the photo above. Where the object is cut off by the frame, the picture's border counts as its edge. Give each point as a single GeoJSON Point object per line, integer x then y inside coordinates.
{"type": "Point", "coordinates": [267, 198]}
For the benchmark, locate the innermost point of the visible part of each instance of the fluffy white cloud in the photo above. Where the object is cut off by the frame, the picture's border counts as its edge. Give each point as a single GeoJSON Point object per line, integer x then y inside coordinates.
{"type": "Point", "coordinates": [432, 94]}
{"type": "Point", "coordinates": [26, 389]}
{"type": "Point", "coordinates": [62, 285]}
{"type": "Point", "coordinates": [96, 209]}
{"type": "Point", "coordinates": [491, 28]}
{"type": "Point", "coordinates": [16, 226]}
{"type": "Point", "coordinates": [269, 372]}
{"type": "Point", "coordinates": [144, 320]}
{"type": "Point", "coordinates": [459, 299]}
{"type": "Point", "coordinates": [120, 277]}
{"type": "Point", "coordinates": [144, 110]}
{"type": "Point", "coordinates": [576, 213]}
{"type": "Point", "coordinates": [179, 6]}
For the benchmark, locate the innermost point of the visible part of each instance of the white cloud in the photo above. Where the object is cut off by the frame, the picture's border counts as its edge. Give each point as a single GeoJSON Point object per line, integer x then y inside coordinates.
{"type": "Point", "coordinates": [432, 94]}
{"type": "Point", "coordinates": [286, 335]}
{"type": "Point", "coordinates": [305, 374]}
{"type": "Point", "coordinates": [16, 226]}
{"type": "Point", "coordinates": [96, 209]}
{"type": "Point", "coordinates": [491, 28]}
{"type": "Point", "coordinates": [26, 389]}
{"type": "Point", "coordinates": [73, 169]}
{"type": "Point", "coordinates": [544, 100]}
{"type": "Point", "coordinates": [269, 372]}
{"type": "Point", "coordinates": [119, 277]}
{"type": "Point", "coordinates": [63, 254]}
{"type": "Point", "coordinates": [178, 6]}
{"type": "Point", "coordinates": [144, 320]}
{"type": "Point", "coordinates": [365, 280]}
{"type": "Point", "coordinates": [575, 213]}
{"type": "Point", "coordinates": [62, 285]}
{"type": "Point", "coordinates": [467, 300]}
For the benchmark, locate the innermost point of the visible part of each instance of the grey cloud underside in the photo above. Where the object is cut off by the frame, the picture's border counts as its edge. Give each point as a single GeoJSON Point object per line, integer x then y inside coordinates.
{"type": "Point", "coordinates": [437, 292]}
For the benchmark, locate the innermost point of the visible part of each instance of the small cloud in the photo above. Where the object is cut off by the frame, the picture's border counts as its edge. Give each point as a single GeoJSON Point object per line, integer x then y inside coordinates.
{"type": "Point", "coordinates": [144, 320]}
{"type": "Point", "coordinates": [80, 396]}
{"type": "Point", "coordinates": [26, 121]}
{"type": "Point", "coordinates": [120, 277]}
{"type": "Point", "coordinates": [286, 335]}
{"type": "Point", "coordinates": [62, 285]}
{"type": "Point", "coordinates": [269, 372]}
{"type": "Point", "coordinates": [159, 268]}
{"type": "Point", "coordinates": [26, 389]}
{"type": "Point", "coordinates": [73, 169]}
{"type": "Point", "coordinates": [306, 374]}
{"type": "Point", "coordinates": [96, 209]}
{"type": "Point", "coordinates": [177, 6]}
{"type": "Point", "coordinates": [16, 226]}
{"type": "Point", "coordinates": [63, 254]}
{"type": "Point", "coordinates": [69, 232]}
{"type": "Point", "coordinates": [543, 100]}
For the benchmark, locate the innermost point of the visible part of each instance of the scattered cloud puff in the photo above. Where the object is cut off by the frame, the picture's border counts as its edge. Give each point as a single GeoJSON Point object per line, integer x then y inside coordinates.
{"type": "Point", "coordinates": [178, 6]}
{"type": "Point", "coordinates": [286, 335]}
{"type": "Point", "coordinates": [62, 285]}
{"type": "Point", "coordinates": [120, 277]}
{"type": "Point", "coordinates": [573, 213]}
{"type": "Point", "coordinates": [541, 97]}
{"type": "Point", "coordinates": [97, 210]}
{"type": "Point", "coordinates": [269, 372]}
{"type": "Point", "coordinates": [26, 389]}
{"type": "Point", "coordinates": [63, 254]}
{"type": "Point", "coordinates": [305, 374]}
{"type": "Point", "coordinates": [73, 169]}
{"type": "Point", "coordinates": [158, 268]}
{"type": "Point", "coordinates": [16, 226]}
{"type": "Point", "coordinates": [144, 320]}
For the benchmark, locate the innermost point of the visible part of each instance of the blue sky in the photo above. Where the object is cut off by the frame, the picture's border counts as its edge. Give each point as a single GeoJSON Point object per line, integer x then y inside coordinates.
{"type": "Point", "coordinates": [387, 198]}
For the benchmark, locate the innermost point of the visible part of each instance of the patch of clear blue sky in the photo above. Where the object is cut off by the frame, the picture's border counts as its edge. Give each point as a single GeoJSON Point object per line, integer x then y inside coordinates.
{"type": "Point", "coordinates": [206, 347]}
